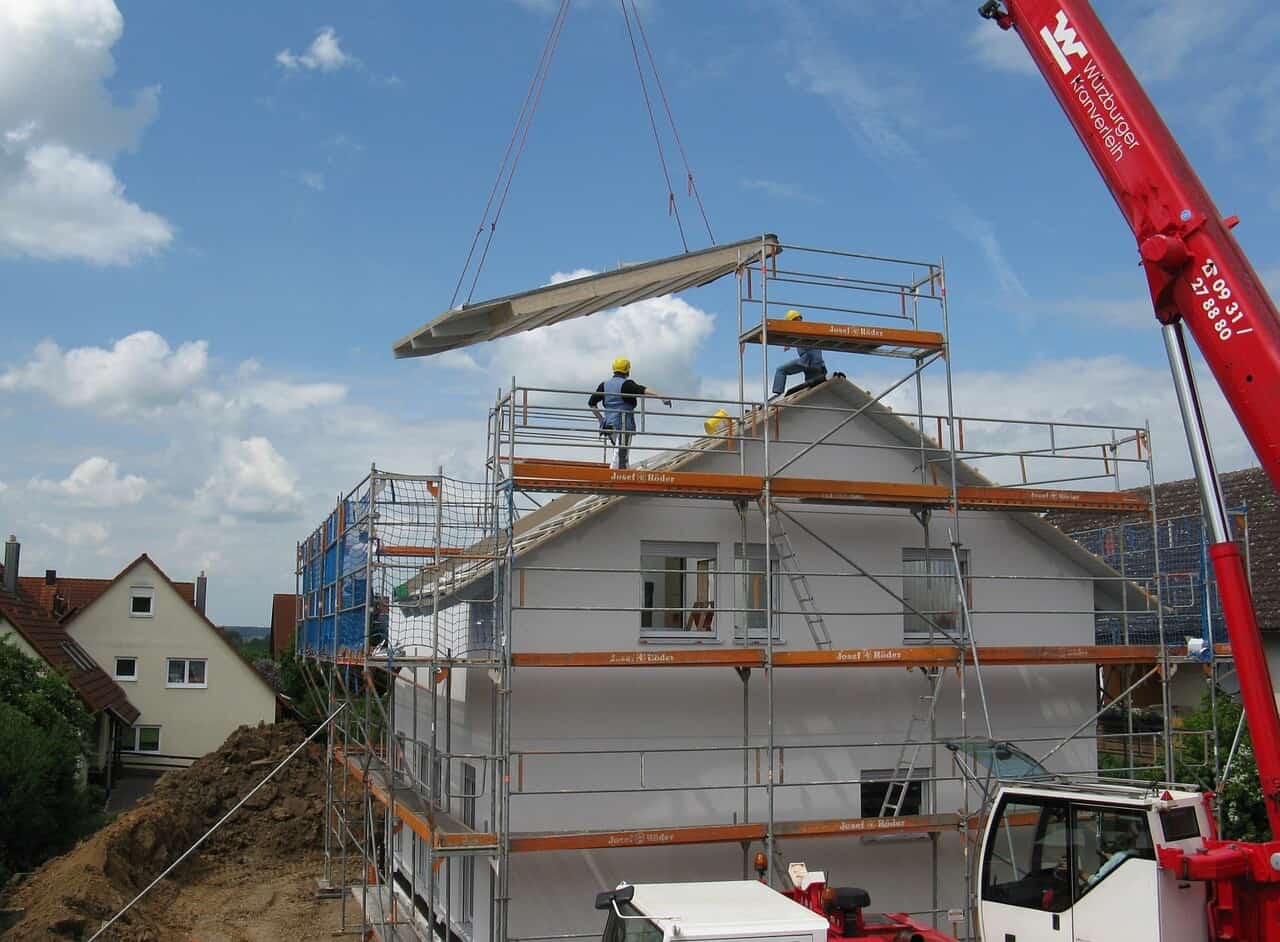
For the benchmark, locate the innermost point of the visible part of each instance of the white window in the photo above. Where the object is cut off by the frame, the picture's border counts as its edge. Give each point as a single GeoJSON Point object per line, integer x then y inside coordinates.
{"type": "Point", "coordinates": [140, 739]}
{"type": "Point", "coordinates": [186, 672]}
{"type": "Point", "coordinates": [78, 655]}
{"type": "Point", "coordinates": [882, 789]}
{"type": "Point", "coordinates": [126, 668]}
{"type": "Point", "coordinates": [929, 588]}
{"type": "Point", "coordinates": [677, 590]}
{"type": "Point", "coordinates": [142, 601]}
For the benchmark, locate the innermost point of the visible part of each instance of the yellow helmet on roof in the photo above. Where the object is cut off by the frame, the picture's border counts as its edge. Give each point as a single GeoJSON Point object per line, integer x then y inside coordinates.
{"type": "Point", "coordinates": [621, 365]}
{"type": "Point", "coordinates": [794, 315]}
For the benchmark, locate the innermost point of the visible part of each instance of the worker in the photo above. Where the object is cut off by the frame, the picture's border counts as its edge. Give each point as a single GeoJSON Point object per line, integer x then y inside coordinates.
{"type": "Point", "coordinates": [618, 396]}
{"type": "Point", "coordinates": [809, 362]}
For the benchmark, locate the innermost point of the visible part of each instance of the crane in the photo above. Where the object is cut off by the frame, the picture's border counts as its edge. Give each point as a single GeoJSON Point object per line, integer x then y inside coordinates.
{"type": "Point", "coordinates": [1183, 881]}
{"type": "Point", "coordinates": [1105, 863]}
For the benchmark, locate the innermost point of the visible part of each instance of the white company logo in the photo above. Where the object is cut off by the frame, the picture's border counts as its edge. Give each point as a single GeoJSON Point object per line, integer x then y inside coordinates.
{"type": "Point", "coordinates": [1062, 42]}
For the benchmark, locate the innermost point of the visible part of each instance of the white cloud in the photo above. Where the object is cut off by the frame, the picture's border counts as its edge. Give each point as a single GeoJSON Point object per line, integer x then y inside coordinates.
{"type": "Point", "coordinates": [312, 180]}
{"type": "Point", "coordinates": [779, 190]}
{"type": "Point", "coordinates": [59, 195]}
{"type": "Point", "coordinates": [277, 397]}
{"type": "Point", "coordinates": [78, 533]}
{"type": "Point", "coordinates": [95, 482]}
{"type": "Point", "coordinates": [138, 374]}
{"type": "Point", "coordinates": [325, 54]}
{"type": "Point", "coordinates": [251, 480]}
{"type": "Point", "coordinates": [1000, 50]}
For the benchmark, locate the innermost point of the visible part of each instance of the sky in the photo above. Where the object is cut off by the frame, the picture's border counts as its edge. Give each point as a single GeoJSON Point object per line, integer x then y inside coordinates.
{"type": "Point", "coordinates": [215, 220]}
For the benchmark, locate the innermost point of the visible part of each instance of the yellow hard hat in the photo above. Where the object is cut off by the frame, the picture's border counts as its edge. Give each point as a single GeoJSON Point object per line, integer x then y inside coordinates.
{"type": "Point", "coordinates": [794, 315]}
{"type": "Point", "coordinates": [621, 365]}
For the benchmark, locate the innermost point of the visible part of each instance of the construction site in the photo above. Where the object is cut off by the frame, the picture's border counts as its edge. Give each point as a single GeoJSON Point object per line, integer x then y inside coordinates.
{"type": "Point", "coordinates": [571, 674]}
{"type": "Point", "coordinates": [814, 630]}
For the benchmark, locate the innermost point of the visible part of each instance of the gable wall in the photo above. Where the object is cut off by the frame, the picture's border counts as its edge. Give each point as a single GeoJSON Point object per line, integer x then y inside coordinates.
{"type": "Point", "coordinates": [193, 721]}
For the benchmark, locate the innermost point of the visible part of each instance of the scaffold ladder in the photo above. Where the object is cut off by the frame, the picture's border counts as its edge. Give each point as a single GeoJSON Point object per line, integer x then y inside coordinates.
{"type": "Point", "coordinates": [918, 733]}
{"type": "Point", "coordinates": [785, 557]}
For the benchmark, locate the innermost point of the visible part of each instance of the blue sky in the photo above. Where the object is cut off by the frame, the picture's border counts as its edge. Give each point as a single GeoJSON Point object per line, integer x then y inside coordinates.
{"type": "Point", "coordinates": [216, 218]}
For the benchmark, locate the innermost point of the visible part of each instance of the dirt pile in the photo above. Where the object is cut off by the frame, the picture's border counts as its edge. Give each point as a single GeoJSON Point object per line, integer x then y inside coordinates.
{"type": "Point", "coordinates": [70, 896]}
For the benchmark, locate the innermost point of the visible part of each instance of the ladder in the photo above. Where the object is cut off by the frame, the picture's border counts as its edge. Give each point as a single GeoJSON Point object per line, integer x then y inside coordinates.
{"type": "Point", "coordinates": [895, 795]}
{"type": "Point", "coordinates": [785, 556]}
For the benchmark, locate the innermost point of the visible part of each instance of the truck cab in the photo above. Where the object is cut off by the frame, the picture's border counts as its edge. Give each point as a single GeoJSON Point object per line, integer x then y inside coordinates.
{"type": "Point", "coordinates": [723, 911]}
{"type": "Point", "coordinates": [1078, 864]}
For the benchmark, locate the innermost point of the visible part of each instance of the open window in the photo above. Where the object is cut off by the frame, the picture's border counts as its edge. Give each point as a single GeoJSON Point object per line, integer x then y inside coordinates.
{"type": "Point", "coordinates": [677, 590]}
{"type": "Point", "coordinates": [749, 623]}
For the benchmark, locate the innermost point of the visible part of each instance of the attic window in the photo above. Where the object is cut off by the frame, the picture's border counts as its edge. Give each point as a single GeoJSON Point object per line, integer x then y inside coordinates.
{"type": "Point", "coordinates": [142, 601]}
{"type": "Point", "coordinates": [78, 655]}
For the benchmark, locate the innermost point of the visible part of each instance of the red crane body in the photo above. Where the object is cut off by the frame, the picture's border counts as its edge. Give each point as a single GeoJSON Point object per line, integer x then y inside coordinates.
{"type": "Point", "coordinates": [1199, 276]}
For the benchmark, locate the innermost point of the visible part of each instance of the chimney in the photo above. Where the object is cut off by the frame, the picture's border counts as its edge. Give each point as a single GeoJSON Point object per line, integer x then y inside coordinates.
{"type": "Point", "coordinates": [12, 550]}
{"type": "Point", "coordinates": [202, 589]}
{"type": "Point", "coordinates": [51, 577]}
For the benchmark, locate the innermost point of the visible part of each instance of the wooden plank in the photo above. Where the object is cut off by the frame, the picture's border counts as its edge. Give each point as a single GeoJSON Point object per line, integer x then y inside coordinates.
{"type": "Point", "coordinates": [842, 827]}
{"type": "Point", "coordinates": [642, 837]}
{"type": "Point", "coordinates": [1016, 498]}
{"type": "Point", "coordinates": [879, 493]}
{"type": "Point", "coordinates": [559, 476]}
{"type": "Point", "coordinates": [849, 338]}
{"type": "Point", "coordinates": [722, 657]}
{"type": "Point", "coordinates": [416, 551]}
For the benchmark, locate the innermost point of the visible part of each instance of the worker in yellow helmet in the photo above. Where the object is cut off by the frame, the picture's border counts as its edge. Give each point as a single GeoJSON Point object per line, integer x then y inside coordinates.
{"type": "Point", "coordinates": [618, 396]}
{"type": "Point", "coordinates": [808, 361]}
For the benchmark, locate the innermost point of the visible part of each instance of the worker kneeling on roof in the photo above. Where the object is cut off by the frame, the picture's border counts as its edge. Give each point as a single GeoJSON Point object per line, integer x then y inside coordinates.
{"type": "Point", "coordinates": [809, 362]}
{"type": "Point", "coordinates": [618, 396]}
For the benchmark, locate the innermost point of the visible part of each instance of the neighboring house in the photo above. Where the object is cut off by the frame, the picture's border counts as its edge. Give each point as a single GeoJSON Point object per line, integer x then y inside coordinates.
{"type": "Point", "coordinates": [662, 574]}
{"type": "Point", "coordinates": [185, 678]}
{"type": "Point", "coordinates": [284, 622]}
{"type": "Point", "coordinates": [26, 622]}
{"type": "Point", "coordinates": [1190, 598]}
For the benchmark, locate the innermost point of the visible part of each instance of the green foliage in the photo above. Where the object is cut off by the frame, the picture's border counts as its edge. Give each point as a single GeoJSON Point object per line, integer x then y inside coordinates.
{"type": "Point", "coordinates": [1244, 817]}
{"type": "Point", "coordinates": [295, 687]}
{"type": "Point", "coordinates": [44, 732]}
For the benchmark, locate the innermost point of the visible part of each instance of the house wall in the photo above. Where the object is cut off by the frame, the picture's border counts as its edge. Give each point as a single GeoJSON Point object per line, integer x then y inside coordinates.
{"type": "Point", "coordinates": [830, 724]}
{"type": "Point", "coordinates": [192, 721]}
{"type": "Point", "coordinates": [9, 635]}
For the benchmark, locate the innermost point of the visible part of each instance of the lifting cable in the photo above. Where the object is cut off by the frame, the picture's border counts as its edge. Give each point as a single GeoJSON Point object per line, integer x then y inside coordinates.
{"type": "Point", "coordinates": [672, 208]}
{"type": "Point", "coordinates": [511, 158]}
{"type": "Point", "coordinates": [671, 119]}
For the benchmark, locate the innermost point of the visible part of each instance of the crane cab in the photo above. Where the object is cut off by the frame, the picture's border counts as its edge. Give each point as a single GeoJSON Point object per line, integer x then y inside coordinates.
{"type": "Point", "coordinates": [1078, 864]}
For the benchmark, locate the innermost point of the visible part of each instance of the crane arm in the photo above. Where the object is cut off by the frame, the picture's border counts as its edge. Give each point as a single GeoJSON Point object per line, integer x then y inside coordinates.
{"type": "Point", "coordinates": [1199, 279]}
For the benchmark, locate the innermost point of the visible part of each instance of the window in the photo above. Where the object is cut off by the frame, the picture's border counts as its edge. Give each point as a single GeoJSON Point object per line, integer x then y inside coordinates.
{"type": "Point", "coordinates": [1029, 856]}
{"type": "Point", "coordinates": [748, 563]}
{"type": "Point", "coordinates": [1103, 839]}
{"type": "Point", "coordinates": [142, 601]}
{"type": "Point", "coordinates": [79, 656]}
{"type": "Point", "coordinates": [875, 789]}
{"type": "Point", "coordinates": [186, 672]}
{"type": "Point", "coordinates": [632, 928]}
{"type": "Point", "coordinates": [126, 668]}
{"type": "Point", "coordinates": [140, 739]}
{"type": "Point", "coordinates": [468, 862]}
{"type": "Point", "coordinates": [929, 587]}
{"type": "Point", "coordinates": [677, 589]}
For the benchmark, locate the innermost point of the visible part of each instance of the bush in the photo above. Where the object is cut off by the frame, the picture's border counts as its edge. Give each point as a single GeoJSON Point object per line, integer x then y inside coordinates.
{"type": "Point", "coordinates": [1244, 816]}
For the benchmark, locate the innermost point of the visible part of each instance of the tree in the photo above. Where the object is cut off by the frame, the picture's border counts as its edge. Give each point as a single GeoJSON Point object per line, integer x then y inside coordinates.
{"type": "Point", "coordinates": [1244, 817]}
{"type": "Point", "coordinates": [44, 731]}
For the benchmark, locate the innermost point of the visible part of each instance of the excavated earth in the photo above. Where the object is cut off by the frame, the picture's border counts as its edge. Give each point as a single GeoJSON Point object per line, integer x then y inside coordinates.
{"type": "Point", "coordinates": [253, 880]}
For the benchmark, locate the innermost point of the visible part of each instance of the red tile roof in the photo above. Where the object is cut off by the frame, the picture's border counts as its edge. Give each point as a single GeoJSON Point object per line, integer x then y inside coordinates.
{"type": "Point", "coordinates": [66, 596]}
{"type": "Point", "coordinates": [37, 626]}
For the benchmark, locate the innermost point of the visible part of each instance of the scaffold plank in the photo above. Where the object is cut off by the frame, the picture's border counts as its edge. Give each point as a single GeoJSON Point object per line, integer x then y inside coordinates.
{"type": "Point", "coordinates": [847, 338]}
{"type": "Point", "coordinates": [941, 655]}
{"type": "Point", "coordinates": [442, 830]}
{"type": "Point", "coordinates": [543, 474]}
{"type": "Point", "coordinates": [730, 833]}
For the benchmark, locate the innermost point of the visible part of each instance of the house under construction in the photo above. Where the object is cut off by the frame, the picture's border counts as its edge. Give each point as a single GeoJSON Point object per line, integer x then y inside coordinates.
{"type": "Point", "coordinates": [817, 627]}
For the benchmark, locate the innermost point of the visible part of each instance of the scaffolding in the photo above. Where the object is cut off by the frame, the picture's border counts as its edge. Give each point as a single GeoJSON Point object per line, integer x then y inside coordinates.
{"type": "Point", "coordinates": [414, 589]}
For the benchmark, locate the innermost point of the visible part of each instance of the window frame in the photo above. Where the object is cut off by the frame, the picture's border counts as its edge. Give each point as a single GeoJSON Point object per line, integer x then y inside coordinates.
{"type": "Point", "coordinates": [742, 630]}
{"type": "Point", "coordinates": [920, 777]}
{"type": "Point", "coordinates": [686, 550]}
{"type": "Point", "coordinates": [918, 554]}
{"type": "Point", "coordinates": [125, 678]}
{"type": "Point", "coordinates": [142, 592]}
{"type": "Point", "coordinates": [186, 683]}
{"type": "Point", "coordinates": [134, 746]}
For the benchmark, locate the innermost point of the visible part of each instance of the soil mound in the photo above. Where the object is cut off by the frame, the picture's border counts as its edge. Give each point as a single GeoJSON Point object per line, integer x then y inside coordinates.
{"type": "Point", "coordinates": [71, 896]}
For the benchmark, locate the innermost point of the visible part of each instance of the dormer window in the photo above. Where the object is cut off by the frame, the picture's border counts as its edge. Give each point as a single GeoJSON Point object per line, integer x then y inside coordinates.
{"type": "Point", "coordinates": [142, 600]}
